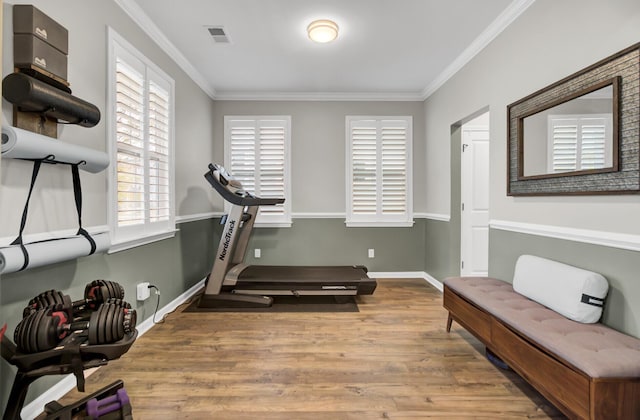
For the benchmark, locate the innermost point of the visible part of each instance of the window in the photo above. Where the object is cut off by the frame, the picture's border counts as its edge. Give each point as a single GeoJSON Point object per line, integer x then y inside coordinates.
{"type": "Point", "coordinates": [257, 154]}
{"type": "Point", "coordinates": [379, 171]}
{"type": "Point", "coordinates": [579, 142]}
{"type": "Point", "coordinates": [141, 127]}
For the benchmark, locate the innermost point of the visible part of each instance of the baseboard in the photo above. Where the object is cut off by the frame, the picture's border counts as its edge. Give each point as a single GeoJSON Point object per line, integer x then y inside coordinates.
{"type": "Point", "coordinates": [35, 407]}
{"type": "Point", "coordinates": [67, 383]}
{"type": "Point", "coordinates": [408, 275]}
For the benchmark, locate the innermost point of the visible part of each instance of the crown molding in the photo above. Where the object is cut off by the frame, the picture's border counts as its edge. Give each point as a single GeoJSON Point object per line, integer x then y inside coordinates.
{"type": "Point", "coordinates": [515, 9]}
{"type": "Point", "coordinates": [135, 12]}
{"type": "Point", "coordinates": [319, 96]}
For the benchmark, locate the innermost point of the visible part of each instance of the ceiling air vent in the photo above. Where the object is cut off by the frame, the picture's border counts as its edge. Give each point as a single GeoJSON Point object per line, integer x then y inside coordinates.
{"type": "Point", "coordinates": [218, 34]}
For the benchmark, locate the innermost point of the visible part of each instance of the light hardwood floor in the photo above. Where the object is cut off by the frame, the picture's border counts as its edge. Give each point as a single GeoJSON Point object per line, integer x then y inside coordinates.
{"type": "Point", "coordinates": [391, 360]}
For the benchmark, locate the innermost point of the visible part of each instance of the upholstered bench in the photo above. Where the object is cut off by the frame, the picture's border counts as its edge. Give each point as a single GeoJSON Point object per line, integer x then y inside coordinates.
{"type": "Point", "coordinates": [587, 370]}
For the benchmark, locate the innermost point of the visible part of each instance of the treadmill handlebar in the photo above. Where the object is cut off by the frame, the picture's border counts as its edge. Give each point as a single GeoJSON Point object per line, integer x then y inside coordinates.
{"type": "Point", "coordinates": [231, 189]}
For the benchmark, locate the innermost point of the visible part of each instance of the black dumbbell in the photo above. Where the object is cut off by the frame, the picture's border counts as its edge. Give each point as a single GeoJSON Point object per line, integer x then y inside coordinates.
{"type": "Point", "coordinates": [46, 299]}
{"type": "Point", "coordinates": [95, 293]}
{"type": "Point", "coordinates": [45, 328]}
{"type": "Point", "coordinates": [99, 291]}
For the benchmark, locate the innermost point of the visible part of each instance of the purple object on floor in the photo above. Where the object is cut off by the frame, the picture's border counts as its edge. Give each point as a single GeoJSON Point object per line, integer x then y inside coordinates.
{"type": "Point", "coordinates": [96, 408]}
{"type": "Point", "coordinates": [491, 356]}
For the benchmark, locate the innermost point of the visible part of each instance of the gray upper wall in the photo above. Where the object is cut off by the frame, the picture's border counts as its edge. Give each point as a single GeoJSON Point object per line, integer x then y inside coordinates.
{"type": "Point", "coordinates": [318, 159]}
{"type": "Point", "coordinates": [52, 205]}
{"type": "Point", "coordinates": [549, 41]}
{"type": "Point", "coordinates": [172, 265]}
{"type": "Point", "coordinates": [318, 131]}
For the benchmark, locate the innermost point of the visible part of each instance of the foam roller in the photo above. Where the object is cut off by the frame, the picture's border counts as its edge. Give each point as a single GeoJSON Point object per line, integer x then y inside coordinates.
{"type": "Point", "coordinates": [33, 95]}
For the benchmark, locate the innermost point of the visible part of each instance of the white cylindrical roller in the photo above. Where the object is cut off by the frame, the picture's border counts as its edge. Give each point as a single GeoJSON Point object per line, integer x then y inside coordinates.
{"type": "Point", "coordinates": [50, 252]}
{"type": "Point", "coordinates": [22, 144]}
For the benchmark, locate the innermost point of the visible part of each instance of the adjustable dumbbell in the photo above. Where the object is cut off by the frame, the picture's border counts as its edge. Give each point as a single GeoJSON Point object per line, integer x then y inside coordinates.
{"type": "Point", "coordinates": [95, 293]}
{"type": "Point", "coordinates": [99, 291]}
{"type": "Point", "coordinates": [46, 299]}
{"type": "Point", "coordinates": [45, 328]}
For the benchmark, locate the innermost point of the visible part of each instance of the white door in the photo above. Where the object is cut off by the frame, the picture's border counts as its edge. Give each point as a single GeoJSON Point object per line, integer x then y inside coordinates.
{"type": "Point", "coordinates": [474, 225]}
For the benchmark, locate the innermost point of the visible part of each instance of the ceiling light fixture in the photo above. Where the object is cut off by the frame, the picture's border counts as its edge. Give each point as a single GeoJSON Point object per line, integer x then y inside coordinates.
{"type": "Point", "coordinates": [322, 31]}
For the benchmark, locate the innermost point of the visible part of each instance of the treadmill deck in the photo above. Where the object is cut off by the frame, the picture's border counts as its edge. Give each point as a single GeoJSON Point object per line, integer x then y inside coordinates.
{"type": "Point", "coordinates": [306, 278]}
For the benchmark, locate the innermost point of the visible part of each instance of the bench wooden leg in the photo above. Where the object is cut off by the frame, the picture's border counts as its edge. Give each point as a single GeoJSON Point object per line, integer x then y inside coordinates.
{"type": "Point", "coordinates": [449, 321]}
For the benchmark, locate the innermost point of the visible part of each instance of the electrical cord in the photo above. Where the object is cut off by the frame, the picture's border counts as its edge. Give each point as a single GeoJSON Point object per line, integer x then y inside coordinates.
{"type": "Point", "coordinates": [151, 286]}
{"type": "Point", "coordinates": [162, 320]}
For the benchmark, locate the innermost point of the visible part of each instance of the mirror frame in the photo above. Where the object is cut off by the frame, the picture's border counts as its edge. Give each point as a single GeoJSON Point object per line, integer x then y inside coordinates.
{"type": "Point", "coordinates": [622, 70]}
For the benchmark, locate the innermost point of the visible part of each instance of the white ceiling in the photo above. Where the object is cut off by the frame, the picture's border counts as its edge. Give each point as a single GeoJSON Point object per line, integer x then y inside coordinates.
{"type": "Point", "coordinates": [387, 49]}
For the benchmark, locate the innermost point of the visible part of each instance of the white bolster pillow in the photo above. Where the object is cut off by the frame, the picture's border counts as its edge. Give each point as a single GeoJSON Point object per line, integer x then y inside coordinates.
{"type": "Point", "coordinates": [572, 292]}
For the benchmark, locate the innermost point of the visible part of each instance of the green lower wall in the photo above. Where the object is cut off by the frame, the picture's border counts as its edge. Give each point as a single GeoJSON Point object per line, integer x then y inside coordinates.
{"type": "Point", "coordinates": [330, 242]}
{"type": "Point", "coordinates": [619, 266]}
{"type": "Point", "coordinates": [176, 264]}
{"type": "Point", "coordinates": [442, 249]}
{"type": "Point", "coordinates": [173, 265]}
{"type": "Point", "coordinates": [442, 239]}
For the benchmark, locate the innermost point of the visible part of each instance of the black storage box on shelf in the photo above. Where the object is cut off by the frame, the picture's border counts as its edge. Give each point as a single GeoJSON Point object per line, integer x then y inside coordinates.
{"type": "Point", "coordinates": [29, 50]}
{"type": "Point", "coordinates": [28, 19]}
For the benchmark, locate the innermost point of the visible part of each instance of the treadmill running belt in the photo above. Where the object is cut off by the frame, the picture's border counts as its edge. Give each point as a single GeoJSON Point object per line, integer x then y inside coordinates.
{"type": "Point", "coordinates": [338, 278]}
{"type": "Point", "coordinates": [303, 274]}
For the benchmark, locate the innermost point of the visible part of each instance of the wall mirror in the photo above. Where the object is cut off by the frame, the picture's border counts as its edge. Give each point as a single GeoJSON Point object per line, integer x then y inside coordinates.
{"type": "Point", "coordinates": [579, 135]}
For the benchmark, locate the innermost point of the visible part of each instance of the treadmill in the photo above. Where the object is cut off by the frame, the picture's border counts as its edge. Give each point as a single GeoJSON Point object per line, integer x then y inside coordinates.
{"type": "Point", "coordinates": [234, 284]}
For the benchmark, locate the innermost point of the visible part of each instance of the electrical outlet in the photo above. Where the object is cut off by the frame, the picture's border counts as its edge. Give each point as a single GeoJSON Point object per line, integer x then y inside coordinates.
{"type": "Point", "coordinates": [142, 291]}
{"type": "Point", "coordinates": [257, 252]}
{"type": "Point", "coordinates": [372, 253]}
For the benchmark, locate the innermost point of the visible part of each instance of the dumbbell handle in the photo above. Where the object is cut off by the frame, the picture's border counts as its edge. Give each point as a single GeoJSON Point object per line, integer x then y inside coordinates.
{"type": "Point", "coordinates": [75, 326]}
{"type": "Point", "coordinates": [84, 325]}
{"type": "Point", "coordinates": [82, 302]}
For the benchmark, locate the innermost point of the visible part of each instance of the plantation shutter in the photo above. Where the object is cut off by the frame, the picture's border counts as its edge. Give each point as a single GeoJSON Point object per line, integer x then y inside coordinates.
{"type": "Point", "coordinates": [257, 156]}
{"type": "Point", "coordinates": [565, 145]}
{"type": "Point", "coordinates": [364, 179]}
{"type": "Point", "coordinates": [140, 116]}
{"type": "Point", "coordinates": [379, 161]}
{"type": "Point", "coordinates": [130, 145]}
{"type": "Point", "coordinates": [593, 153]}
{"type": "Point", "coordinates": [159, 132]}
{"type": "Point", "coordinates": [243, 153]}
{"type": "Point", "coordinates": [394, 167]}
{"type": "Point", "coordinates": [579, 142]}
{"type": "Point", "coordinates": [143, 137]}
{"type": "Point", "coordinates": [272, 170]}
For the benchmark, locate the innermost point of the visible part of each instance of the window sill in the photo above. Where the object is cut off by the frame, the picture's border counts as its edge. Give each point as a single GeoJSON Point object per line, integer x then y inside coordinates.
{"type": "Point", "coordinates": [379, 224]}
{"type": "Point", "coordinates": [133, 243]}
{"type": "Point", "coordinates": [273, 225]}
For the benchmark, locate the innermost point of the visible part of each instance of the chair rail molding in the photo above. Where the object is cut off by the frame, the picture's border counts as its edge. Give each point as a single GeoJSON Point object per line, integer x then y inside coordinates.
{"type": "Point", "coordinates": [595, 237]}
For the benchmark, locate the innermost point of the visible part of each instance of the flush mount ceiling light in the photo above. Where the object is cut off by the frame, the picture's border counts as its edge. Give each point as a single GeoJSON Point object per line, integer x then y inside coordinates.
{"type": "Point", "coordinates": [322, 31]}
